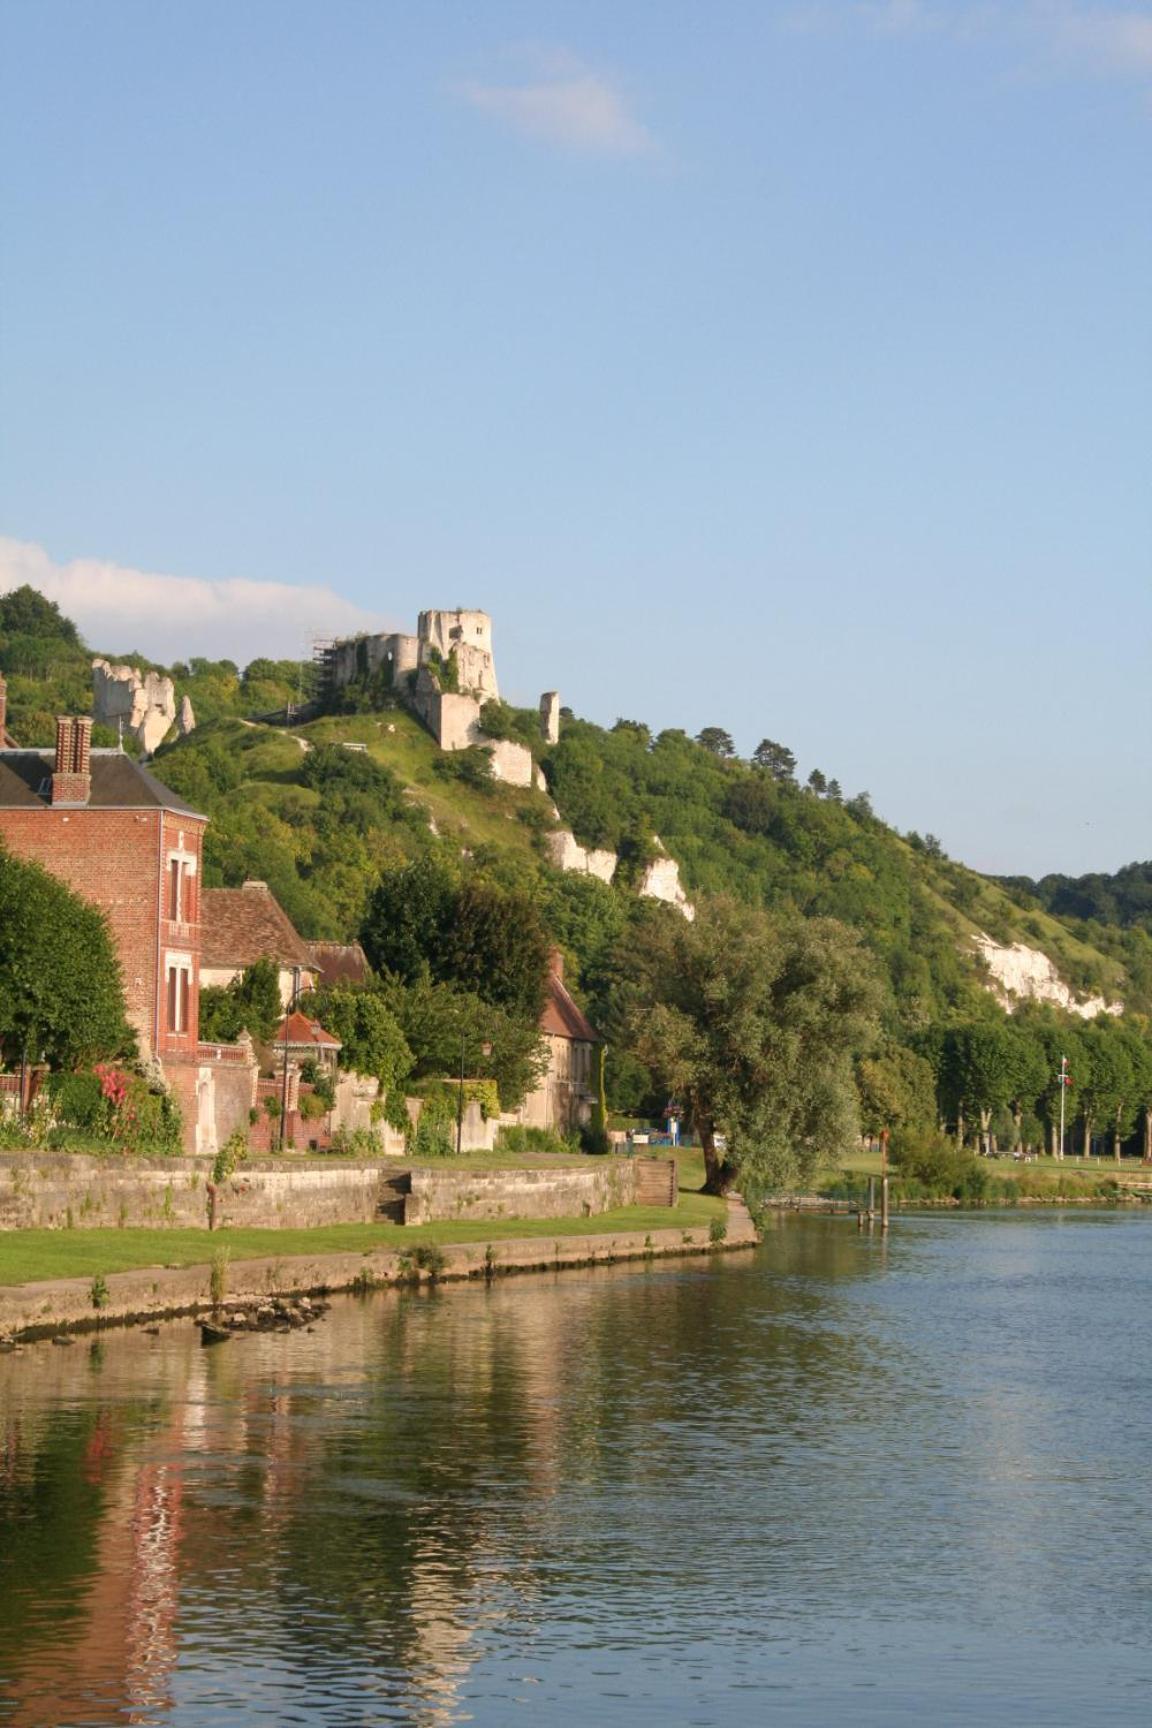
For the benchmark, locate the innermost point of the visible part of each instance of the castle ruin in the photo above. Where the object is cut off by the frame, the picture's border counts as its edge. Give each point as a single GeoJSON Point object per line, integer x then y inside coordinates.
{"type": "Point", "coordinates": [445, 674]}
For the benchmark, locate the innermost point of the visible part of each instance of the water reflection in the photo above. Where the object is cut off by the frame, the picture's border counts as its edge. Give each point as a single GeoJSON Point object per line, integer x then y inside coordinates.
{"type": "Point", "coordinates": [844, 1473]}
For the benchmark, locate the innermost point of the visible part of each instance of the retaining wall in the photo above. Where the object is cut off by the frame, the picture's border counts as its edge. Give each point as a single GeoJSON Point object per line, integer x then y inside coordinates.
{"type": "Point", "coordinates": [58, 1190]}
{"type": "Point", "coordinates": [571, 1192]}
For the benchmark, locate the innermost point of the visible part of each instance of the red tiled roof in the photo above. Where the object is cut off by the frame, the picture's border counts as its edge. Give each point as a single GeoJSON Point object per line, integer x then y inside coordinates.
{"type": "Point", "coordinates": [298, 1029]}
{"type": "Point", "coordinates": [563, 1019]}
{"type": "Point", "coordinates": [339, 962]}
{"type": "Point", "coordinates": [242, 925]}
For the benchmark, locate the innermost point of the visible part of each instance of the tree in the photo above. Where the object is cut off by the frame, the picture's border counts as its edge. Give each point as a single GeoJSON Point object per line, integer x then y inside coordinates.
{"type": "Point", "coordinates": [24, 611]}
{"type": "Point", "coordinates": [408, 916]}
{"type": "Point", "coordinates": [753, 1021]}
{"type": "Point", "coordinates": [372, 1039]}
{"type": "Point", "coordinates": [817, 783]}
{"type": "Point", "coordinates": [60, 989]}
{"type": "Point", "coordinates": [439, 1023]}
{"type": "Point", "coordinates": [897, 1089]}
{"type": "Point", "coordinates": [474, 935]}
{"type": "Point", "coordinates": [251, 1003]}
{"type": "Point", "coordinates": [777, 759]}
{"type": "Point", "coordinates": [715, 739]}
{"type": "Point", "coordinates": [496, 947]}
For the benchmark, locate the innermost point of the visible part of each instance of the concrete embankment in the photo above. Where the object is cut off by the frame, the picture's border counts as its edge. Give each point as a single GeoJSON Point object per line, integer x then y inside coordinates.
{"type": "Point", "coordinates": [66, 1304]}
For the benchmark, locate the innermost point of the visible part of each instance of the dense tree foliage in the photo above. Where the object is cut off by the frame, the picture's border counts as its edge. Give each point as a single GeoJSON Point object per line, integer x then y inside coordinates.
{"type": "Point", "coordinates": [251, 1003]}
{"type": "Point", "coordinates": [60, 990]}
{"type": "Point", "coordinates": [753, 1022]}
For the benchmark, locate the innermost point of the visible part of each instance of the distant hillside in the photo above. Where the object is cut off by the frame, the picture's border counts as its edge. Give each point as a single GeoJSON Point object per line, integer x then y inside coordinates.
{"type": "Point", "coordinates": [319, 821]}
{"type": "Point", "coordinates": [1124, 899]}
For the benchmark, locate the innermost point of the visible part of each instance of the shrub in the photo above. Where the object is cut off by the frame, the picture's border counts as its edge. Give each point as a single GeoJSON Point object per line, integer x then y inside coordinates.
{"type": "Point", "coordinates": [98, 1291]}
{"type": "Point", "coordinates": [534, 1141]}
{"type": "Point", "coordinates": [355, 1143]}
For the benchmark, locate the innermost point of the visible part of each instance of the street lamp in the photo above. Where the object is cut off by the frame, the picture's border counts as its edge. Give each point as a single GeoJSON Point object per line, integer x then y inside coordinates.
{"type": "Point", "coordinates": [485, 1050]}
{"type": "Point", "coordinates": [284, 1085]}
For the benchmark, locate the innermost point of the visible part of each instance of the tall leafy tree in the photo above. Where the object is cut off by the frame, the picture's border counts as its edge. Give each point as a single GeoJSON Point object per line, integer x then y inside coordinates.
{"type": "Point", "coordinates": [61, 995]}
{"type": "Point", "coordinates": [715, 739]}
{"type": "Point", "coordinates": [777, 759]}
{"type": "Point", "coordinates": [753, 1021]}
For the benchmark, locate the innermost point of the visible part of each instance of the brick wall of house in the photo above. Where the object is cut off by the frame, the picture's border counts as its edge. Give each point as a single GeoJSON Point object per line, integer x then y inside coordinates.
{"type": "Point", "coordinates": [113, 858]}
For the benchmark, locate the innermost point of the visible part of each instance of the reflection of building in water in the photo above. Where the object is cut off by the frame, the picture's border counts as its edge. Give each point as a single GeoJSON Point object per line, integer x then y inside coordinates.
{"type": "Point", "coordinates": [112, 1644]}
{"type": "Point", "coordinates": [368, 1499]}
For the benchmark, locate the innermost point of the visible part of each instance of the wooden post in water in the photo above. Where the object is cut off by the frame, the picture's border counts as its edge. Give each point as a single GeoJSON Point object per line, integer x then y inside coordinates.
{"type": "Point", "coordinates": [871, 1198]}
{"type": "Point", "coordinates": [884, 1202]}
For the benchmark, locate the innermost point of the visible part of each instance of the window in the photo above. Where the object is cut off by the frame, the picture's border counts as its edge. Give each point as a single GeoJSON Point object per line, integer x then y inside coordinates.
{"type": "Point", "coordinates": [179, 992]}
{"type": "Point", "coordinates": [180, 901]}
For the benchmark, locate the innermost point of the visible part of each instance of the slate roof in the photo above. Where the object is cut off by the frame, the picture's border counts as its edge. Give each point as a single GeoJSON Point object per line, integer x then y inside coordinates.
{"type": "Point", "coordinates": [340, 962]}
{"type": "Point", "coordinates": [118, 783]}
{"type": "Point", "coordinates": [563, 1019]}
{"type": "Point", "coordinates": [239, 926]}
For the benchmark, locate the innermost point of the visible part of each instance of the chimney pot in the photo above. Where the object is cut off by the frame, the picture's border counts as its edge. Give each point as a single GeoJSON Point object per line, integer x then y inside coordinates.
{"type": "Point", "coordinates": [72, 779]}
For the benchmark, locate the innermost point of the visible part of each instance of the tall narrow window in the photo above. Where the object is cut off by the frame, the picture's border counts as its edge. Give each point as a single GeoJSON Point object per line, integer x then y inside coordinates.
{"type": "Point", "coordinates": [173, 998]}
{"type": "Point", "coordinates": [175, 889]}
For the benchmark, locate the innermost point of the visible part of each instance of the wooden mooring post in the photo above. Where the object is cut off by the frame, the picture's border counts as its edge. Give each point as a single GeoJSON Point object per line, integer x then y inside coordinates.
{"type": "Point", "coordinates": [884, 1202]}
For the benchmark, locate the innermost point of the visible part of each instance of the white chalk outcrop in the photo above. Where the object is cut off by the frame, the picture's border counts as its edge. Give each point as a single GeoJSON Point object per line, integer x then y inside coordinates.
{"type": "Point", "coordinates": [1023, 974]}
{"type": "Point", "coordinates": [661, 881]}
{"type": "Point", "coordinates": [144, 703]}
{"type": "Point", "coordinates": [566, 853]}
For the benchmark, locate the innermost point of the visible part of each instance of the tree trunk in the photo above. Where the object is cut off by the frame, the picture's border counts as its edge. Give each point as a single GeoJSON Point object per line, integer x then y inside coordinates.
{"type": "Point", "coordinates": [1087, 1147]}
{"type": "Point", "coordinates": [1148, 1133]}
{"type": "Point", "coordinates": [1116, 1134]}
{"type": "Point", "coordinates": [718, 1173]}
{"type": "Point", "coordinates": [984, 1140]}
{"type": "Point", "coordinates": [1017, 1127]}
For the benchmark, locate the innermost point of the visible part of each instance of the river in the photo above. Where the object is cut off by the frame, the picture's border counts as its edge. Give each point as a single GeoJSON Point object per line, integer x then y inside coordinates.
{"type": "Point", "coordinates": [837, 1479]}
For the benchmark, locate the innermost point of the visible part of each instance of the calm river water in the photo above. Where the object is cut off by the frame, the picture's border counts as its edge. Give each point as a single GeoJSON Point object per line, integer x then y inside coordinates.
{"type": "Point", "coordinates": [834, 1480]}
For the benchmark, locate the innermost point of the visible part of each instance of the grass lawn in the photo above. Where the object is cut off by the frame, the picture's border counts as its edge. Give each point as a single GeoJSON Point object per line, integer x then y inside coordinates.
{"type": "Point", "coordinates": [26, 1256]}
{"type": "Point", "coordinates": [1128, 1170]}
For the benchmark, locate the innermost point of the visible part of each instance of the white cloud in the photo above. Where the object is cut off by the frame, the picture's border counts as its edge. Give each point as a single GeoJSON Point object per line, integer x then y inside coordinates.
{"type": "Point", "coordinates": [1111, 39]}
{"type": "Point", "coordinates": [567, 104]}
{"type": "Point", "coordinates": [170, 618]}
{"type": "Point", "coordinates": [1083, 37]}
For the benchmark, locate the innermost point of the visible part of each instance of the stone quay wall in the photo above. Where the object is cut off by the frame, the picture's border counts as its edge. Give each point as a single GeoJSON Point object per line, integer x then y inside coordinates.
{"type": "Point", "coordinates": [572, 1192]}
{"type": "Point", "coordinates": [65, 1304]}
{"type": "Point", "coordinates": [59, 1190]}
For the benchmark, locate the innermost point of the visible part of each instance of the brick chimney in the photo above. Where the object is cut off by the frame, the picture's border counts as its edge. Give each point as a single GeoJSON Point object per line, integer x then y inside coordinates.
{"type": "Point", "coordinates": [556, 964]}
{"type": "Point", "coordinates": [72, 780]}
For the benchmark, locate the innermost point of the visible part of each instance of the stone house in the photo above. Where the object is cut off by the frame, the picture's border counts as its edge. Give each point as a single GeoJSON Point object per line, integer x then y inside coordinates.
{"type": "Point", "coordinates": [564, 1098]}
{"type": "Point", "coordinates": [121, 839]}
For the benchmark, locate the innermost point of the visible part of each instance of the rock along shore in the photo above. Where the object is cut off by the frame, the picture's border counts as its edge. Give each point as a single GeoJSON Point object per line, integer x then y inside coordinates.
{"type": "Point", "coordinates": [29, 1311]}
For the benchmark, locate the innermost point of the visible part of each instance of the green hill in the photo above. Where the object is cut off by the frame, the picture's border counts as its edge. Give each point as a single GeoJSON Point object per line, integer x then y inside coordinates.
{"type": "Point", "coordinates": [320, 810]}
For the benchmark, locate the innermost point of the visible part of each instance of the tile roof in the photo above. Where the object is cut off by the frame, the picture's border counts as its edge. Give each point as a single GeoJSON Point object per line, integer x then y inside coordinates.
{"type": "Point", "coordinates": [242, 925]}
{"type": "Point", "coordinates": [339, 962]}
{"type": "Point", "coordinates": [118, 783]}
{"type": "Point", "coordinates": [298, 1030]}
{"type": "Point", "coordinates": [563, 1019]}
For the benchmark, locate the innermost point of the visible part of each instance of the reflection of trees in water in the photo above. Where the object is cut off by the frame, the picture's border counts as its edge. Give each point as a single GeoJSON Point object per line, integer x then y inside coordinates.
{"type": "Point", "coordinates": [362, 1508]}
{"type": "Point", "coordinates": [88, 1575]}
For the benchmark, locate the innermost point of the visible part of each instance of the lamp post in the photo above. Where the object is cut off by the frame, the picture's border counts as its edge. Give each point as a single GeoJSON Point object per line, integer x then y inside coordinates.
{"type": "Point", "coordinates": [485, 1050]}
{"type": "Point", "coordinates": [284, 1084]}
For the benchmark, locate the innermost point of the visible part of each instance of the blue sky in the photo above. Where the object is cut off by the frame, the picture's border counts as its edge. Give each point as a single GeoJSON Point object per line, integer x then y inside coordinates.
{"type": "Point", "coordinates": [778, 366]}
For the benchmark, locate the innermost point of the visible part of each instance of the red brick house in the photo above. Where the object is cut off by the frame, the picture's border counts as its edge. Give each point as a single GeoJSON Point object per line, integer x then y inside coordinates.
{"type": "Point", "coordinates": [117, 836]}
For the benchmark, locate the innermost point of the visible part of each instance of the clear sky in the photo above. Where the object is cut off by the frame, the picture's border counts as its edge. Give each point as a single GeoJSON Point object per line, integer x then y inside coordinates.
{"type": "Point", "coordinates": [779, 366]}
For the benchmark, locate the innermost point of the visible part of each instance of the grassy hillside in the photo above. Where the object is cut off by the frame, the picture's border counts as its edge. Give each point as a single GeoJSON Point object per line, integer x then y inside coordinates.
{"type": "Point", "coordinates": [319, 821]}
